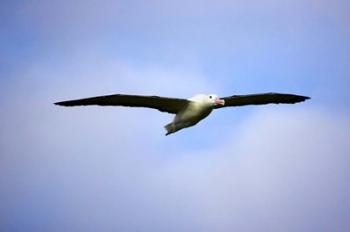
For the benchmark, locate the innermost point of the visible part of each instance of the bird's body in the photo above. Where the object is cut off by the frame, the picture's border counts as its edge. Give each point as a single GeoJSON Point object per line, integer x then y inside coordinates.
{"type": "Point", "coordinates": [194, 112]}
{"type": "Point", "coordinates": [188, 112]}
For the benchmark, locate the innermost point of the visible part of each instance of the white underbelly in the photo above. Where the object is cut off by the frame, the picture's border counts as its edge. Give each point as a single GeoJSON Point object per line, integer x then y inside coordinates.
{"type": "Point", "coordinates": [192, 114]}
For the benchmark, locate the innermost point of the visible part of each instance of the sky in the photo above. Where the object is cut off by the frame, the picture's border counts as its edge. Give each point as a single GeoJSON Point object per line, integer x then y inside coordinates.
{"type": "Point", "coordinates": [262, 168]}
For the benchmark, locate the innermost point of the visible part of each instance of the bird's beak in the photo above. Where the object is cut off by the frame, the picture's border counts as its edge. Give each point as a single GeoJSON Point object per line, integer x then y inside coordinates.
{"type": "Point", "coordinates": [219, 102]}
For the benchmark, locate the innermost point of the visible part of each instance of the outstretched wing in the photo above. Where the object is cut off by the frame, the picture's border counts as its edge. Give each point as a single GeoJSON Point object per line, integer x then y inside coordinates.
{"type": "Point", "coordinates": [164, 104]}
{"type": "Point", "coordinates": [261, 99]}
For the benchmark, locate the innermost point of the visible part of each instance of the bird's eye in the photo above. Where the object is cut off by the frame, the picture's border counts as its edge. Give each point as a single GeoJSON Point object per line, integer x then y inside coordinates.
{"type": "Point", "coordinates": [210, 97]}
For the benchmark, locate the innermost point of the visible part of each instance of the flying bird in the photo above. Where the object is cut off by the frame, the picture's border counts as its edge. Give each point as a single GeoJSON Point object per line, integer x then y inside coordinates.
{"type": "Point", "coordinates": [188, 112]}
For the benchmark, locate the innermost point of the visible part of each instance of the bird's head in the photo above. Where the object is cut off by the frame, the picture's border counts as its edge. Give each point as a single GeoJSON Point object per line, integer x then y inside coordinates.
{"type": "Point", "coordinates": [210, 100]}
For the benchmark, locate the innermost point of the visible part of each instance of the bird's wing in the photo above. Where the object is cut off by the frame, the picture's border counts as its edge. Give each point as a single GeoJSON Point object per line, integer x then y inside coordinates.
{"type": "Point", "coordinates": [164, 104]}
{"type": "Point", "coordinates": [261, 99]}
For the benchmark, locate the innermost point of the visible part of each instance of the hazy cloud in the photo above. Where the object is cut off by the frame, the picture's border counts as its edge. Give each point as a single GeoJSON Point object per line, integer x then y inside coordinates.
{"type": "Point", "coordinates": [273, 168]}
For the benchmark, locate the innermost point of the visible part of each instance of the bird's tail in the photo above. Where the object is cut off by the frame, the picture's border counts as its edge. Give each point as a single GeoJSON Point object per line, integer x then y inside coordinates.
{"type": "Point", "coordinates": [170, 128]}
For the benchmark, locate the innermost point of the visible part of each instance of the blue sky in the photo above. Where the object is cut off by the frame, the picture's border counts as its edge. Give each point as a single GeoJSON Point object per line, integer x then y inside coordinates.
{"type": "Point", "coordinates": [269, 168]}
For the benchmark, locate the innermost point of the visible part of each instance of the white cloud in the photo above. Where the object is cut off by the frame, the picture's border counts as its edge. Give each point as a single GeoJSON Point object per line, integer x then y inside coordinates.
{"type": "Point", "coordinates": [282, 170]}
{"type": "Point", "coordinates": [89, 169]}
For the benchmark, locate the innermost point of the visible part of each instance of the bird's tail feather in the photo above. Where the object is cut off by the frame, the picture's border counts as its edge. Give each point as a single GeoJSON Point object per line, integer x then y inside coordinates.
{"type": "Point", "coordinates": [170, 128]}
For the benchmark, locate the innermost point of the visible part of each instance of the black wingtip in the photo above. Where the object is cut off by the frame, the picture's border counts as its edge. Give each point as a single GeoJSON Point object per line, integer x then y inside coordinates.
{"type": "Point", "coordinates": [61, 104]}
{"type": "Point", "coordinates": [297, 98]}
{"type": "Point", "coordinates": [305, 98]}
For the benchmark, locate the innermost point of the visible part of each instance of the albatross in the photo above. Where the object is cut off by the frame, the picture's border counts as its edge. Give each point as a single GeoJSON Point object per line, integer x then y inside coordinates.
{"type": "Point", "coordinates": [188, 112]}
